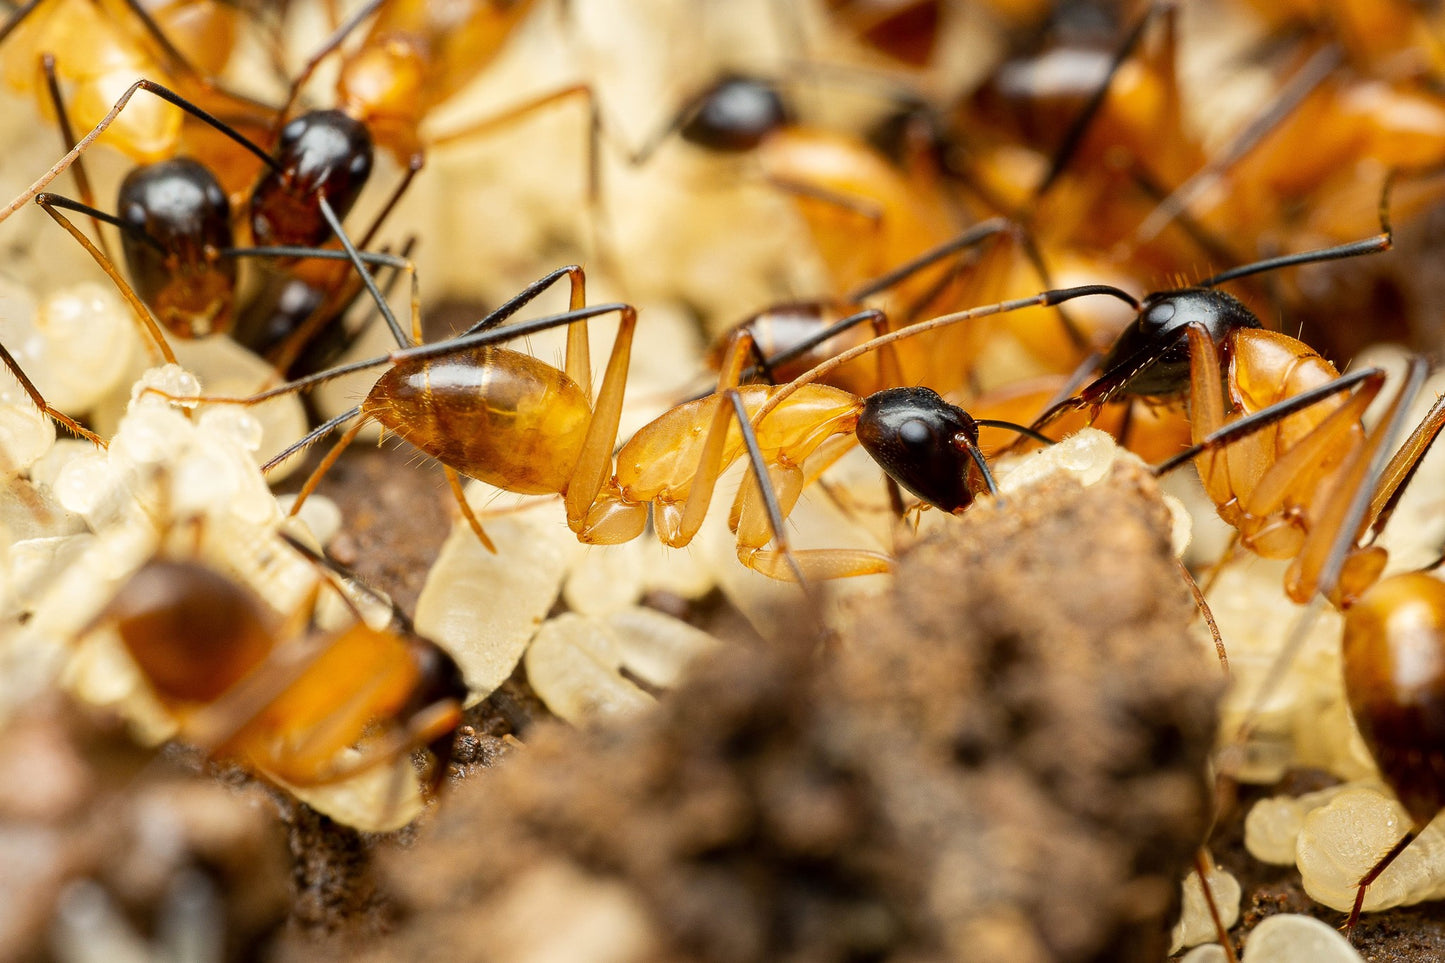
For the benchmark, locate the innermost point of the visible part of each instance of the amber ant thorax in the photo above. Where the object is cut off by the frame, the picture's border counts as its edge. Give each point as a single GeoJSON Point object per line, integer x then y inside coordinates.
{"type": "Point", "coordinates": [923, 443]}
{"type": "Point", "coordinates": [178, 218]}
{"type": "Point", "coordinates": [1151, 357]}
{"type": "Point", "coordinates": [736, 114]}
{"type": "Point", "coordinates": [323, 152]}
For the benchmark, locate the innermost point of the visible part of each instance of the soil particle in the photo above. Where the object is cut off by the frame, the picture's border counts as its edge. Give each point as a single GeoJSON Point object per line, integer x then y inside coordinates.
{"type": "Point", "coordinates": [83, 803]}
{"type": "Point", "coordinates": [1003, 760]}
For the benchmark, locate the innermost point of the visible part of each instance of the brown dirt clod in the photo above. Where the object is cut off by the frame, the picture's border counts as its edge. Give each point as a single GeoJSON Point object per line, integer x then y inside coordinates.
{"type": "Point", "coordinates": [1004, 761]}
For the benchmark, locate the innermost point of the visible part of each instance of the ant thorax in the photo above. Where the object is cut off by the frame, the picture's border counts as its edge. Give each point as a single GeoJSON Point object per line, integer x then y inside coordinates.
{"type": "Point", "coordinates": [1151, 357]}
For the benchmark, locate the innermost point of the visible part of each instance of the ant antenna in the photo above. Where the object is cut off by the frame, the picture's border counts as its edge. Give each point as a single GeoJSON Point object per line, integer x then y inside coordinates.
{"type": "Point", "coordinates": [1043, 299]}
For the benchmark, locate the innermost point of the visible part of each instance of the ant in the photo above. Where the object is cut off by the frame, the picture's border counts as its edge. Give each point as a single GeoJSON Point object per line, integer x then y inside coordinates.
{"type": "Point", "coordinates": [1394, 650]}
{"type": "Point", "coordinates": [524, 426]}
{"type": "Point", "coordinates": [838, 182]}
{"type": "Point", "coordinates": [415, 56]}
{"type": "Point", "coordinates": [1284, 491]}
{"type": "Point", "coordinates": [242, 686]}
{"type": "Point", "coordinates": [177, 237]}
{"type": "Point", "coordinates": [790, 337]}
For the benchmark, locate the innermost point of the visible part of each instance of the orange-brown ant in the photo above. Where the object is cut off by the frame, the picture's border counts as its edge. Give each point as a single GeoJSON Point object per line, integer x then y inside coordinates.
{"type": "Point", "coordinates": [838, 181]}
{"type": "Point", "coordinates": [243, 686]}
{"type": "Point", "coordinates": [1394, 666]}
{"type": "Point", "coordinates": [415, 56]}
{"type": "Point", "coordinates": [1283, 490]}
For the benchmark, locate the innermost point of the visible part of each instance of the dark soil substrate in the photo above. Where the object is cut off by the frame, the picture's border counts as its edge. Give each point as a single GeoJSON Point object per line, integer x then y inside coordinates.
{"type": "Point", "coordinates": [1059, 775]}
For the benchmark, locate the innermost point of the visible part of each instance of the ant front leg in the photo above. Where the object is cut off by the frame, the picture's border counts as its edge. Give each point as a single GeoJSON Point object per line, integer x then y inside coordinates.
{"type": "Point", "coordinates": [39, 401]}
{"type": "Point", "coordinates": [607, 518]}
{"type": "Point", "coordinates": [145, 321]}
{"type": "Point", "coordinates": [768, 494]}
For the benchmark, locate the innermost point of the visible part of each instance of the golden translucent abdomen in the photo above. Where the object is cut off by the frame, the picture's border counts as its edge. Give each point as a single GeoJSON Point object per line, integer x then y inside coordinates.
{"type": "Point", "coordinates": [496, 415]}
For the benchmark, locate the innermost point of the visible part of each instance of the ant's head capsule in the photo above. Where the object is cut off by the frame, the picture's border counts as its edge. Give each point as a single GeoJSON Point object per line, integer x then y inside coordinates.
{"type": "Point", "coordinates": [325, 152]}
{"type": "Point", "coordinates": [179, 215]}
{"type": "Point", "coordinates": [1151, 357]}
{"type": "Point", "coordinates": [736, 114]}
{"type": "Point", "coordinates": [911, 433]}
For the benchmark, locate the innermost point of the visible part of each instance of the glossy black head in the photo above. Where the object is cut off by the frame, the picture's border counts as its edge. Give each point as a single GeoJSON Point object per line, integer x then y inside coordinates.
{"type": "Point", "coordinates": [439, 680]}
{"type": "Point", "coordinates": [179, 205]}
{"type": "Point", "coordinates": [918, 439]}
{"type": "Point", "coordinates": [1151, 357]}
{"type": "Point", "coordinates": [736, 114]}
{"type": "Point", "coordinates": [324, 151]}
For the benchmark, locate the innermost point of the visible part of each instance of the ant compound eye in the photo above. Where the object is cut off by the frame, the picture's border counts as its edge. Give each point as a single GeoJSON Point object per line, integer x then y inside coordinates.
{"type": "Point", "coordinates": [293, 131]}
{"type": "Point", "coordinates": [1160, 314]}
{"type": "Point", "coordinates": [915, 433]}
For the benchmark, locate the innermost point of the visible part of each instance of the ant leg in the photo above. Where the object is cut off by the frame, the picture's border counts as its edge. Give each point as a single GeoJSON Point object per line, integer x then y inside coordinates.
{"type": "Point", "coordinates": [1402, 466]}
{"type": "Point", "coordinates": [594, 465]}
{"type": "Point", "coordinates": [1330, 561]}
{"type": "Point", "coordinates": [337, 301]}
{"type": "Point", "coordinates": [1207, 614]}
{"type": "Point", "coordinates": [1079, 127]}
{"type": "Point", "coordinates": [1380, 866]}
{"type": "Point", "coordinates": [39, 400]}
{"type": "Point", "coordinates": [1212, 573]}
{"type": "Point", "coordinates": [67, 139]}
{"type": "Point", "coordinates": [756, 528]}
{"type": "Point", "coordinates": [1201, 869]}
{"type": "Point", "coordinates": [1305, 80]}
{"type": "Point", "coordinates": [315, 477]}
{"type": "Point", "coordinates": [972, 237]}
{"type": "Point", "coordinates": [520, 111]}
{"type": "Point", "coordinates": [16, 18]}
{"type": "Point", "coordinates": [869, 214]}
{"type": "Point", "coordinates": [144, 319]}
{"type": "Point", "coordinates": [572, 272]}
{"type": "Point", "coordinates": [332, 43]}
{"type": "Point", "coordinates": [179, 63]}
{"type": "Point", "coordinates": [81, 146]}
{"type": "Point", "coordinates": [455, 482]}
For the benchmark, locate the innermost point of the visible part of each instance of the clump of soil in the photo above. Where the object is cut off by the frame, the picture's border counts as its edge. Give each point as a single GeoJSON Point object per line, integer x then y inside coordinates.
{"type": "Point", "coordinates": [1003, 760]}
{"type": "Point", "coordinates": [92, 821]}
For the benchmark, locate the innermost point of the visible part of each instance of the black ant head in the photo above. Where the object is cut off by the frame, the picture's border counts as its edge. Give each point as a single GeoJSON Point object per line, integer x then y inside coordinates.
{"type": "Point", "coordinates": [439, 680]}
{"type": "Point", "coordinates": [325, 152]}
{"type": "Point", "coordinates": [178, 217]}
{"type": "Point", "coordinates": [1151, 356]}
{"type": "Point", "coordinates": [177, 202]}
{"type": "Point", "coordinates": [923, 443]}
{"type": "Point", "coordinates": [736, 114]}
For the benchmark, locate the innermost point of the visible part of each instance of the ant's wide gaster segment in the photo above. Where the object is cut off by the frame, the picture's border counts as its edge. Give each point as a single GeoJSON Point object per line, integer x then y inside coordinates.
{"type": "Point", "coordinates": [1394, 668]}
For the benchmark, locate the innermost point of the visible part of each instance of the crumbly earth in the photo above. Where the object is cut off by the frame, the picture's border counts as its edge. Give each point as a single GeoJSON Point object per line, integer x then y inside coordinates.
{"type": "Point", "coordinates": [973, 771]}
{"type": "Point", "coordinates": [992, 764]}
